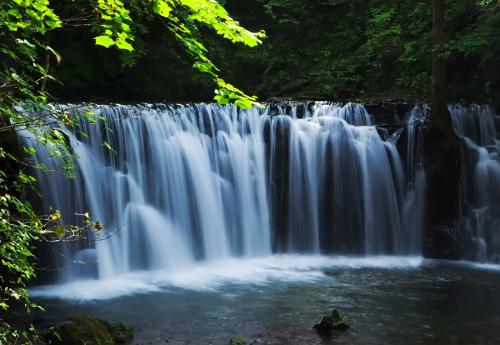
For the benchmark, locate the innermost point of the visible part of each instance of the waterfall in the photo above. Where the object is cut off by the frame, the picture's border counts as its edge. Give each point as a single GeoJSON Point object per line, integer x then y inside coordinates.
{"type": "Point", "coordinates": [476, 125]}
{"type": "Point", "coordinates": [414, 203]}
{"type": "Point", "coordinates": [197, 182]}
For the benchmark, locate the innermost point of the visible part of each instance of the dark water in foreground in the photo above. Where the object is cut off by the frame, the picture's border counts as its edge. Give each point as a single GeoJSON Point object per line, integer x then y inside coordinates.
{"type": "Point", "coordinates": [416, 302]}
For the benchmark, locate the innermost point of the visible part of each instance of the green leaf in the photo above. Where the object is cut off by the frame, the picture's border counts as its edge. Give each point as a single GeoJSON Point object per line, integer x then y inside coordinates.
{"type": "Point", "coordinates": [104, 41]}
{"type": "Point", "coordinates": [243, 103]}
{"type": "Point", "coordinates": [162, 8]}
{"type": "Point", "coordinates": [124, 45]}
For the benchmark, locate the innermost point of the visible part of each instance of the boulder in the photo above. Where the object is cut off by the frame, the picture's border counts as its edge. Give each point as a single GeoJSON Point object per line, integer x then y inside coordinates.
{"type": "Point", "coordinates": [325, 327]}
{"type": "Point", "coordinates": [339, 321]}
{"type": "Point", "coordinates": [121, 333]}
{"type": "Point", "coordinates": [86, 330]}
{"type": "Point", "coordinates": [333, 322]}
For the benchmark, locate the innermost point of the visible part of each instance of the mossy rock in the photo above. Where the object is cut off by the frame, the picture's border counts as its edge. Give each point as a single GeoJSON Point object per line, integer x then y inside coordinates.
{"type": "Point", "coordinates": [325, 326]}
{"type": "Point", "coordinates": [333, 322]}
{"type": "Point", "coordinates": [121, 333]}
{"type": "Point", "coordinates": [238, 341]}
{"type": "Point", "coordinates": [80, 330]}
{"type": "Point", "coordinates": [339, 321]}
{"type": "Point", "coordinates": [85, 330]}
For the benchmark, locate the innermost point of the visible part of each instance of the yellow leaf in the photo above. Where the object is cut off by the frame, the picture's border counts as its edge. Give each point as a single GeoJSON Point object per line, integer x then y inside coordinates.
{"type": "Point", "coordinates": [55, 216]}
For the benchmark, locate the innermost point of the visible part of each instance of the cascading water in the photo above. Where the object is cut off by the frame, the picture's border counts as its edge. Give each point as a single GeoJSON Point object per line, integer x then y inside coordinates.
{"type": "Point", "coordinates": [475, 124]}
{"type": "Point", "coordinates": [414, 203]}
{"type": "Point", "coordinates": [204, 182]}
{"type": "Point", "coordinates": [342, 189]}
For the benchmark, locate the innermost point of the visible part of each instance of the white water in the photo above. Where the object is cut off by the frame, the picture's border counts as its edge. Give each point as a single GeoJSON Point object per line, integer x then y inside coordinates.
{"type": "Point", "coordinates": [204, 184]}
{"type": "Point", "coordinates": [476, 125]}
{"type": "Point", "coordinates": [416, 180]}
{"type": "Point", "coordinates": [214, 274]}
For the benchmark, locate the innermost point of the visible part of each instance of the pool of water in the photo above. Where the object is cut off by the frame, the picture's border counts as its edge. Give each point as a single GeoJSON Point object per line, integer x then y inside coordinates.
{"type": "Point", "coordinates": [277, 300]}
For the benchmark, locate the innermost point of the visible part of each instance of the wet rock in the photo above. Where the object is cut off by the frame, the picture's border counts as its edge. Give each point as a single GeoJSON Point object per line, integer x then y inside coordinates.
{"type": "Point", "coordinates": [238, 341]}
{"type": "Point", "coordinates": [339, 321]}
{"type": "Point", "coordinates": [121, 333]}
{"type": "Point", "coordinates": [325, 327]}
{"type": "Point", "coordinates": [86, 330]}
{"type": "Point", "coordinates": [444, 203]}
{"type": "Point", "coordinates": [301, 111]}
{"type": "Point", "coordinates": [443, 242]}
{"type": "Point", "coordinates": [331, 323]}
{"type": "Point", "coordinates": [80, 330]}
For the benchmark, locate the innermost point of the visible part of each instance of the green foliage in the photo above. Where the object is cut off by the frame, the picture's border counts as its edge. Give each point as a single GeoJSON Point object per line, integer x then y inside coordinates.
{"type": "Point", "coordinates": [213, 15]}
{"type": "Point", "coordinates": [115, 25]}
{"type": "Point", "coordinates": [19, 229]}
{"type": "Point", "coordinates": [481, 35]}
{"type": "Point", "coordinates": [344, 49]}
{"type": "Point", "coordinates": [350, 48]}
{"type": "Point", "coordinates": [28, 16]}
{"type": "Point", "coordinates": [183, 19]}
{"type": "Point", "coordinates": [365, 49]}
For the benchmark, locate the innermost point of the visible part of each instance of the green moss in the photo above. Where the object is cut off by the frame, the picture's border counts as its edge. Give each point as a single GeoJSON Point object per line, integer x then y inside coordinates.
{"type": "Point", "coordinates": [333, 322]}
{"type": "Point", "coordinates": [238, 341]}
{"type": "Point", "coordinates": [121, 333]}
{"type": "Point", "coordinates": [86, 330]}
{"type": "Point", "coordinates": [80, 330]}
{"type": "Point", "coordinates": [339, 321]}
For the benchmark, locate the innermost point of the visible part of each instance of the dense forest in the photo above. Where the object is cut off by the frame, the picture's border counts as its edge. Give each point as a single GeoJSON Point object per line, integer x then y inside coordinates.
{"type": "Point", "coordinates": [317, 49]}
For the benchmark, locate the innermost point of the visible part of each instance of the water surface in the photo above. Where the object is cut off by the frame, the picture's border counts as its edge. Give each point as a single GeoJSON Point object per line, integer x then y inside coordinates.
{"type": "Point", "coordinates": [277, 300]}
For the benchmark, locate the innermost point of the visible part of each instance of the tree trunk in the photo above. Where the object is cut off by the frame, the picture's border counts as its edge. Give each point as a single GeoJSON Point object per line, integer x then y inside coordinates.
{"type": "Point", "coordinates": [440, 117]}
{"type": "Point", "coordinates": [443, 156]}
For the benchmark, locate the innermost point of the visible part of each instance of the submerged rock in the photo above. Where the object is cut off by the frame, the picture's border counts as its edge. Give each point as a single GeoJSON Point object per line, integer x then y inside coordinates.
{"type": "Point", "coordinates": [330, 323]}
{"type": "Point", "coordinates": [86, 330]}
{"type": "Point", "coordinates": [238, 341]}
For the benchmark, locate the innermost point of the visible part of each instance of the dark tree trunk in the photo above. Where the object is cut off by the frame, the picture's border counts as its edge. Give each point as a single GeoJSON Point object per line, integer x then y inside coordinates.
{"type": "Point", "coordinates": [440, 118]}
{"type": "Point", "coordinates": [443, 155]}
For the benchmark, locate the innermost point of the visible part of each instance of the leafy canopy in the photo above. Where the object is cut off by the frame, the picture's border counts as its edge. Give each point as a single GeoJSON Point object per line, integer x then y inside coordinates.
{"type": "Point", "coordinates": [182, 18]}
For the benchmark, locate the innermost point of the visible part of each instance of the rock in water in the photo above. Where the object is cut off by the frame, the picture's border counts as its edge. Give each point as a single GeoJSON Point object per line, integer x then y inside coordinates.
{"type": "Point", "coordinates": [86, 330]}
{"type": "Point", "coordinates": [339, 321]}
{"type": "Point", "coordinates": [330, 323]}
{"type": "Point", "coordinates": [238, 341]}
{"type": "Point", "coordinates": [325, 327]}
{"type": "Point", "coordinates": [121, 333]}
{"type": "Point", "coordinates": [80, 330]}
